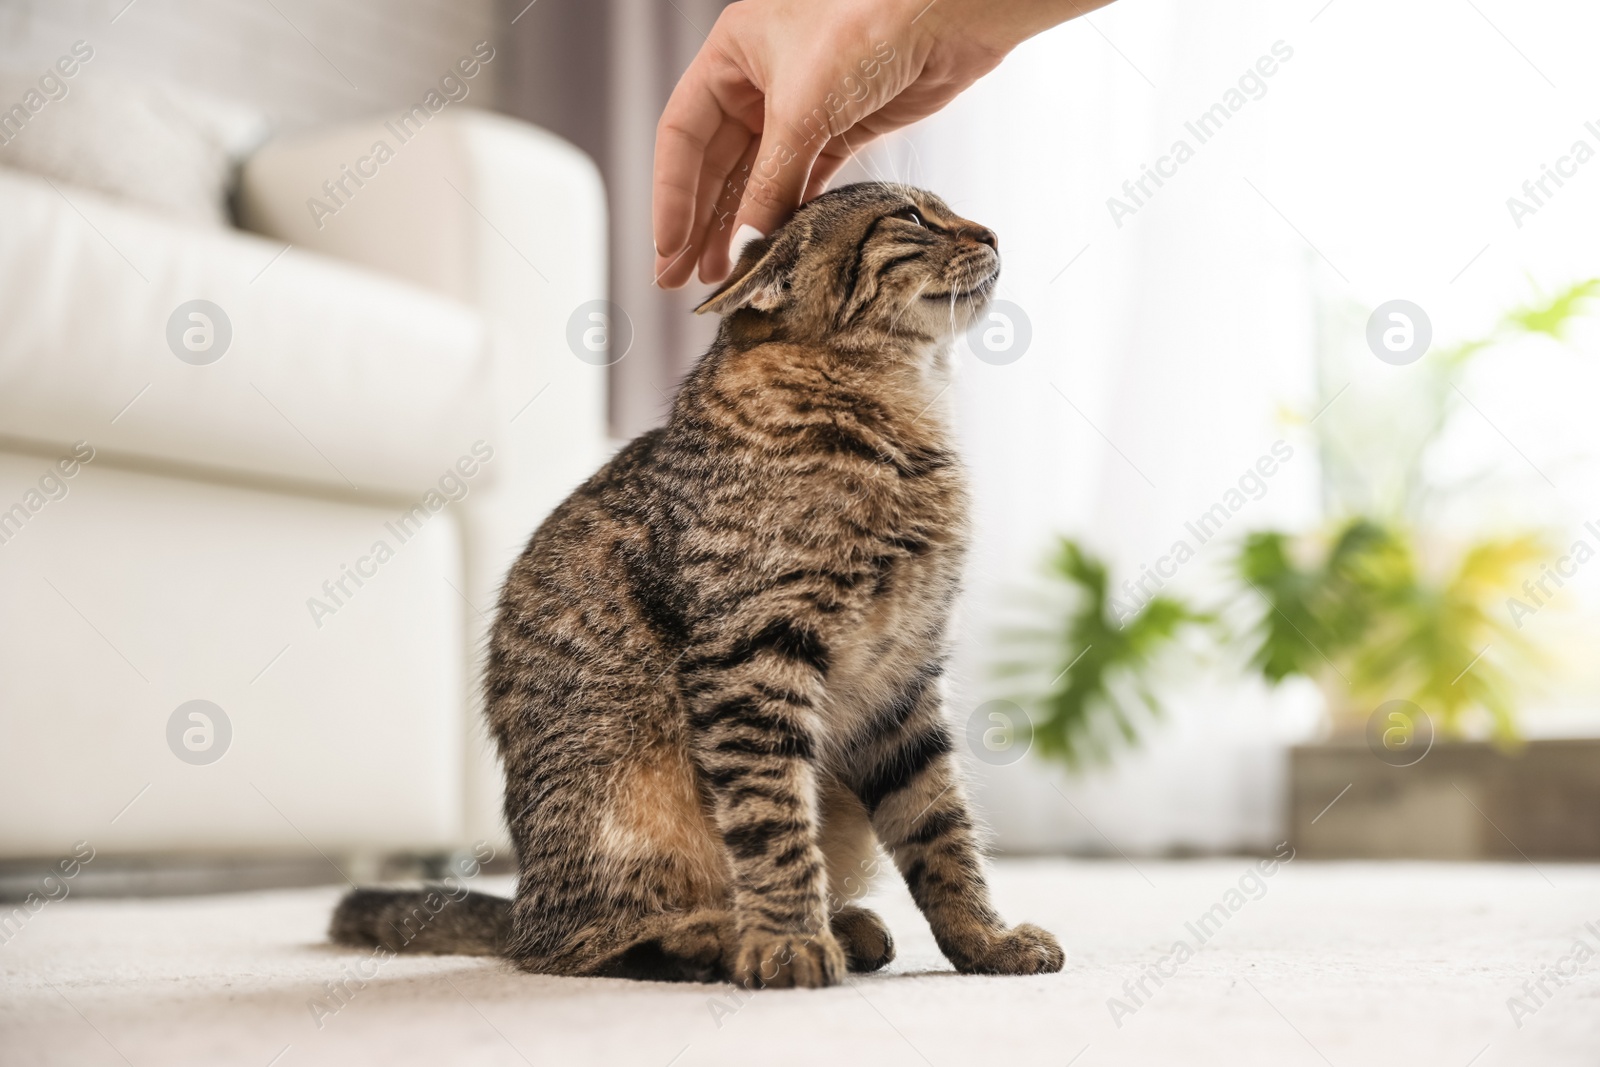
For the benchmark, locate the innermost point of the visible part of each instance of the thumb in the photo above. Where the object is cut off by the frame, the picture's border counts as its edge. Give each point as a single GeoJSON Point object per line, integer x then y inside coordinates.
{"type": "Point", "coordinates": [791, 140]}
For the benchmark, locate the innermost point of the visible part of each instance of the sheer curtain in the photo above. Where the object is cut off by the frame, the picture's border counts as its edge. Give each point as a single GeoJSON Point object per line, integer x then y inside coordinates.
{"type": "Point", "coordinates": [1161, 351]}
{"type": "Point", "coordinates": [1365, 154]}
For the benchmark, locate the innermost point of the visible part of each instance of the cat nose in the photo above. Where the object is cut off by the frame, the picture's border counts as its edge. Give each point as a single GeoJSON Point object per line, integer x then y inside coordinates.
{"type": "Point", "coordinates": [981, 234]}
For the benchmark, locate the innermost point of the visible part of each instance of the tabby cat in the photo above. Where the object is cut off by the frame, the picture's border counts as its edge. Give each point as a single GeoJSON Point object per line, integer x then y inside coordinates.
{"type": "Point", "coordinates": [715, 673]}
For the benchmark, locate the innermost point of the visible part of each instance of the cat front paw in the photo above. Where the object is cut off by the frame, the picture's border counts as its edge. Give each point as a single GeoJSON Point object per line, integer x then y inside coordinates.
{"type": "Point", "coordinates": [1024, 949]}
{"type": "Point", "coordinates": [769, 960]}
{"type": "Point", "coordinates": [865, 938]}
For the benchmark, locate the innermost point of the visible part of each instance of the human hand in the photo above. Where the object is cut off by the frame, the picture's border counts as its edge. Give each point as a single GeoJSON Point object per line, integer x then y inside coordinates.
{"type": "Point", "coordinates": [783, 93]}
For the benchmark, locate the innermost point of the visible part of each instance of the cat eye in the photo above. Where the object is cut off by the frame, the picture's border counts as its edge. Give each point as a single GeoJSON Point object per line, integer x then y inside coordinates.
{"type": "Point", "coordinates": [909, 214]}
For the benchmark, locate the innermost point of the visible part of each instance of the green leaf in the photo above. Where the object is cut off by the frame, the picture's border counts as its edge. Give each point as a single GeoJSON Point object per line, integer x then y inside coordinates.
{"type": "Point", "coordinates": [1096, 698]}
{"type": "Point", "coordinates": [1552, 317]}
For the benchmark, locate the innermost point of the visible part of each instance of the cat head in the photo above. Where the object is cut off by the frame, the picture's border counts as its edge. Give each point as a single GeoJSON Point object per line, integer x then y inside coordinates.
{"type": "Point", "coordinates": [866, 262]}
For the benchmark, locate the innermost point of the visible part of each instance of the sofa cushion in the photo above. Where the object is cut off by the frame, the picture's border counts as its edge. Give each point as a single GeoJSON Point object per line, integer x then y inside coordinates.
{"type": "Point", "coordinates": [311, 371]}
{"type": "Point", "coordinates": [159, 145]}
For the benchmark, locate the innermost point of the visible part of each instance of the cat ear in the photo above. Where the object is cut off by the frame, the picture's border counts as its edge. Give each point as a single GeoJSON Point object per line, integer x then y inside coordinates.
{"type": "Point", "coordinates": [760, 280]}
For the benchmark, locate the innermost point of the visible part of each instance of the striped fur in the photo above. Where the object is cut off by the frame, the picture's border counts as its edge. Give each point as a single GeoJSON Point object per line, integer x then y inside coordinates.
{"type": "Point", "coordinates": [715, 676]}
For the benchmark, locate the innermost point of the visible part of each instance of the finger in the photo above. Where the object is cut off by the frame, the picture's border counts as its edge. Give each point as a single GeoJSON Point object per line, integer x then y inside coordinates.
{"type": "Point", "coordinates": [715, 255]}
{"type": "Point", "coordinates": [719, 177]}
{"type": "Point", "coordinates": [828, 164]}
{"type": "Point", "coordinates": [672, 272]}
{"type": "Point", "coordinates": [816, 185]}
{"type": "Point", "coordinates": [783, 166]}
{"type": "Point", "coordinates": [720, 160]}
{"type": "Point", "coordinates": [691, 119]}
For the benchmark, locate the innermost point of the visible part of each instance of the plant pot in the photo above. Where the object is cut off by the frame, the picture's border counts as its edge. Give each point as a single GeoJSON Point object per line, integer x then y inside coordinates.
{"type": "Point", "coordinates": [1459, 801]}
{"type": "Point", "coordinates": [1344, 716]}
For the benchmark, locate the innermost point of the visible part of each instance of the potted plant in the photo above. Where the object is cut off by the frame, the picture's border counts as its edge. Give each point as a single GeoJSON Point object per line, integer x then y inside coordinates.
{"type": "Point", "coordinates": [1087, 679]}
{"type": "Point", "coordinates": [1401, 620]}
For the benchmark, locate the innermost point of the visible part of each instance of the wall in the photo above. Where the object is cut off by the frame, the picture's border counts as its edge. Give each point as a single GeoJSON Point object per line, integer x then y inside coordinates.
{"type": "Point", "coordinates": [302, 62]}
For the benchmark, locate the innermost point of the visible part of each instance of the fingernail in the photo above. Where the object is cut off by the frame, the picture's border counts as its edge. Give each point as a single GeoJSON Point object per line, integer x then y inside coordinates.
{"type": "Point", "coordinates": [741, 237]}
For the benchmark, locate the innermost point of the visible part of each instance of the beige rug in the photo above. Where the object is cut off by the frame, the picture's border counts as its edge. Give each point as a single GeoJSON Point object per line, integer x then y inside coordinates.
{"type": "Point", "coordinates": [1343, 964]}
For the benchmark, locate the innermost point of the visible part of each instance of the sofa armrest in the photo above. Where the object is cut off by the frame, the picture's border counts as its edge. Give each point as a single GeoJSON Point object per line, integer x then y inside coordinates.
{"type": "Point", "coordinates": [511, 220]}
{"type": "Point", "coordinates": [490, 210]}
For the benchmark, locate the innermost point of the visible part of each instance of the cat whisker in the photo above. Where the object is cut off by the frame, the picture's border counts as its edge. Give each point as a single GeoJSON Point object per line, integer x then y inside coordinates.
{"type": "Point", "coordinates": [971, 297]}
{"type": "Point", "coordinates": [913, 299]}
{"type": "Point", "coordinates": [866, 166]}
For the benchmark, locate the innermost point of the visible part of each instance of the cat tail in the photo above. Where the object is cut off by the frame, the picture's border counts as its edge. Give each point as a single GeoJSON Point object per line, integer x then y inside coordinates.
{"type": "Point", "coordinates": [434, 919]}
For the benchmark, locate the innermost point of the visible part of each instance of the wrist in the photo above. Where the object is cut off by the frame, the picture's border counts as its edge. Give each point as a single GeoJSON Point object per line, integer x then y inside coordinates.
{"type": "Point", "coordinates": [996, 27]}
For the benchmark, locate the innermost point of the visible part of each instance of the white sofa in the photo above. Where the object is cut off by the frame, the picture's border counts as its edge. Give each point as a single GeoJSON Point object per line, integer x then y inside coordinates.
{"type": "Point", "coordinates": [414, 342]}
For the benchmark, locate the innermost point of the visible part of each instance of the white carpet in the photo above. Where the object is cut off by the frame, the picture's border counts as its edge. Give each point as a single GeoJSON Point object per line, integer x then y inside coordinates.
{"type": "Point", "coordinates": [1343, 964]}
